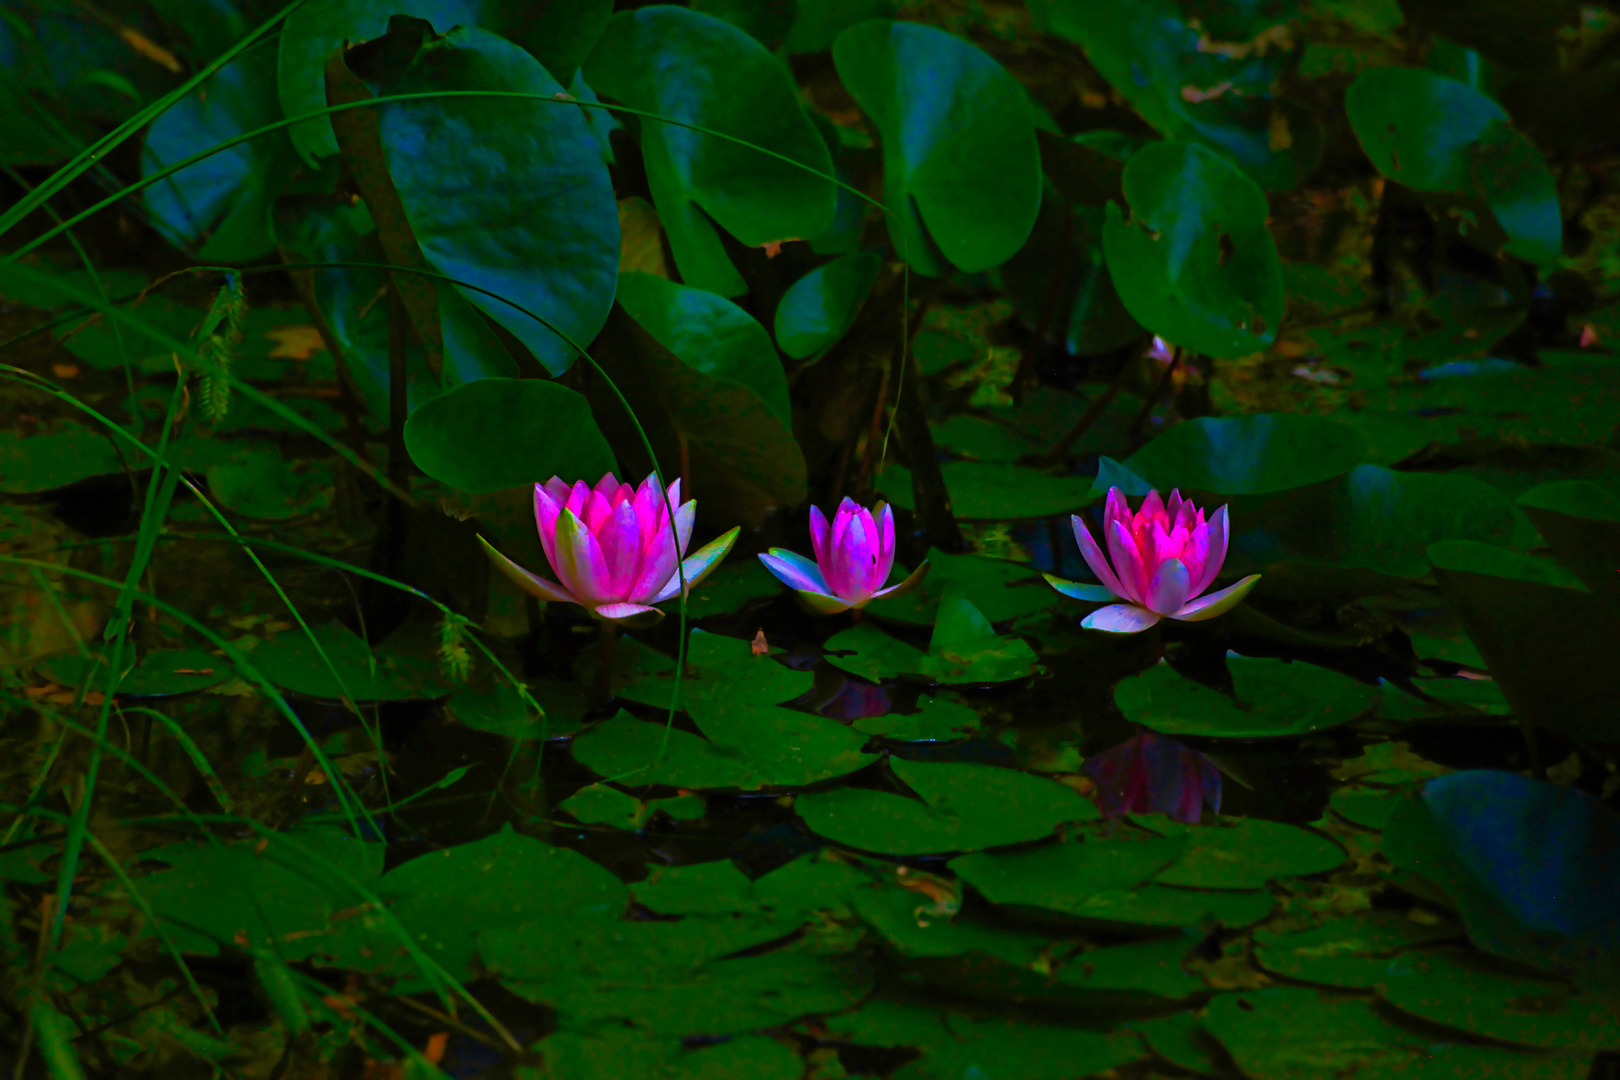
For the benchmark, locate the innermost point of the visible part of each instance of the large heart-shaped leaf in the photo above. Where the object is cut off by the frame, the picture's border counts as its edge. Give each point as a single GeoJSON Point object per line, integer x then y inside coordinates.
{"type": "Point", "coordinates": [1581, 521]}
{"type": "Point", "coordinates": [559, 33]}
{"type": "Point", "coordinates": [509, 195]}
{"type": "Point", "coordinates": [820, 307]}
{"type": "Point", "coordinates": [961, 171]}
{"type": "Point", "coordinates": [223, 202]}
{"type": "Point", "coordinates": [1196, 263]}
{"type": "Point", "coordinates": [501, 433]}
{"type": "Point", "coordinates": [1438, 135]}
{"type": "Point", "coordinates": [701, 70]}
{"type": "Point", "coordinates": [713, 371]}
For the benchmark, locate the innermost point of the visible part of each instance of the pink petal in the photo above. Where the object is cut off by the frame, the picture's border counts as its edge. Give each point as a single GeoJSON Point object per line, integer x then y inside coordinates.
{"type": "Point", "coordinates": [661, 554]}
{"type": "Point", "coordinates": [580, 565]}
{"type": "Point", "coordinates": [822, 603]}
{"type": "Point", "coordinates": [607, 487]}
{"type": "Point", "coordinates": [854, 557]}
{"type": "Point", "coordinates": [620, 541]}
{"type": "Point", "coordinates": [700, 564]}
{"type": "Point", "coordinates": [1127, 560]}
{"type": "Point", "coordinates": [598, 509]}
{"type": "Point", "coordinates": [885, 523]}
{"type": "Point", "coordinates": [1215, 553]}
{"type": "Point", "coordinates": [1167, 592]}
{"type": "Point", "coordinates": [1195, 553]}
{"type": "Point", "coordinates": [635, 616]}
{"type": "Point", "coordinates": [685, 517]}
{"type": "Point", "coordinates": [577, 495]}
{"type": "Point", "coordinates": [558, 489]}
{"type": "Point", "coordinates": [1216, 603]}
{"type": "Point", "coordinates": [546, 509]}
{"type": "Point", "coordinates": [819, 532]}
{"type": "Point", "coordinates": [1115, 509]}
{"type": "Point", "coordinates": [795, 571]}
{"type": "Point", "coordinates": [1094, 557]}
{"type": "Point", "coordinates": [1120, 619]}
{"type": "Point", "coordinates": [1152, 510]}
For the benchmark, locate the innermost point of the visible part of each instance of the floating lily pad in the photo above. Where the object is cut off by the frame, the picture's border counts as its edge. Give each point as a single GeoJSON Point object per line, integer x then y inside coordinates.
{"type": "Point", "coordinates": [1352, 952]}
{"type": "Point", "coordinates": [636, 752]}
{"type": "Point", "coordinates": [1248, 853]}
{"type": "Point", "coordinates": [598, 804]}
{"type": "Point", "coordinates": [936, 719]}
{"type": "Point", "coordinates": [1461, 989]}
{"type": "Point", "coordinates": [396, 672]}
{"type": "Point", "coordinates": [162, 673]}
{"type": "Point", "coordinates": [963, 808]}
{"type": "Point", "coordinates": [1001, 590]}
{"type": "Point", "coordinates": [33, 463]}
{"type": "Point", "coordinates": [499, 710]}
{"type": "Point", "coordinates": [1290, 1033]}
{"type": "Point", "coordinates": [963, 649]}
{"type": "Point", "coordinates": [1248, 455]}
{"type": "Point", "coordinates": [259, 483]}
{"type": "Point", "coordinates": [711, 888]}
{"type": "Point", "coordinates": [1274, 698]}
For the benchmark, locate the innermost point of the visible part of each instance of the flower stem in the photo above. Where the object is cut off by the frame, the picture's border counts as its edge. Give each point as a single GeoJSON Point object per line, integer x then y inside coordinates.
{"type": "Point", "coordinates": [607, 637]}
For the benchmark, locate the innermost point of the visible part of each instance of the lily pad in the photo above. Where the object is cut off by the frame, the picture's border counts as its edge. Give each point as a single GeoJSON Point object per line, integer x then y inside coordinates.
{"type": "Point", "coordinates": [392, 673]}
{"type": "Point", "coordinates": [43, 462]}
{"type": "Point", "coordinates": [1274, 698]}
{"type": "Point", "coordinates": [1001, 590]}
{"type": "Point", "coordinates": [1291, 1033]}
{"type": "Point", "coordinates": [963, 808]}
{"type": "Point", "coordinates": [259, 483]}
{"type": "Point", "coordinates": [1351, 952]}
{"type": "Point", "coordinates": [1248, 853]}
{"type": "Point", "coordinates": [1248, 455]}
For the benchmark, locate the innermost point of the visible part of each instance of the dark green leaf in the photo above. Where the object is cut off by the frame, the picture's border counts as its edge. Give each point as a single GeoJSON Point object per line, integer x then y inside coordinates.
{"type": "Point", "coordinates": [820, 307]}
{"type": "Point", "coordinates": [1274, 698]}
{"type": "Point", "coordinates": [1248, 455]}
{"type": "Point", "coordinates": [701, 70]}
{"type": "Point", "coordinates": [961, 170]}
{"type": "Point", "coordinates": [31, 463]}
{"type": "Point", "coordinates": [559, 33]}
{"type": "Point", "coordinates": [505, 194]}
{"type": "Point", "coordinates": [1196, 263]}
{"type": "Point", "coordinates": [993, 491]}
{"type": "Point", "coordinates": [1438, 135]}
{"type": "Point", "coordinates": [501, 433]}
{"type": "Point", "coordinates": [223, 202]}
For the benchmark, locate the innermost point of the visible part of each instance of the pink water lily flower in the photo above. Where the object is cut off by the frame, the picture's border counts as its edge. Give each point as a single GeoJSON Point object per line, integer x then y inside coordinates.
{"type": "Point", "coordinates": [612, 549]}
{"type": "Point", "coordinates": [1162, 558]}
{"type": "Point", "coordinates": [854, 554]}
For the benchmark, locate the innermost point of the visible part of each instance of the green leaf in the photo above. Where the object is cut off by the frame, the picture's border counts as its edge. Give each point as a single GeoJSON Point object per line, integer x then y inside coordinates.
{"type": "Point", "coordinates": [713, 372]}
{"type": "Point", "coordinates": [1580, 520]}
{"type": "Point", "coordinates": [937, 719]}
{"type": "Point", "coordinates": [272, 895]}
{"type": "Point", "coordinates": [161, 673]}
{"type": "Point", "coordinates": [258, 483]}
{"type": "Point", "coordinates": [819, 308]}
{"type": "Point", "coordinates": [734, 697]}
{"type": "Point", "coordinates": [1196, 263]}
{"type": "Point", "coordinates": [445, 899]}
{"type": "Point", "coordinates": [963, 808]}
{"type": "Point", "coordinates": [767, 21]}
{"type": "Point", "coordinates": [821, 21]}
{"type": "Point", "coordinates": [501, 433]}
{"type": "Point", "coordinates": [499, 710]}
{"type": "Point", "coordinates": [704, 71]}
{"type": "Point", "coordinates": [1438, 135]}
{"type": "Point", "coordinates": [1158, 55]}
{"type": "Point", "coordinates": [1287, 1033]}
{"type": "Point", "coordinates": [1081, 308]}
{"type": "Point", "coordinates": [1248, 455]}
{"type": "Point", "coordinates": [635, 752]}
{"type": "Point", "coordinates": [559, 34]}
{"type": "Point", "coordinates": [993, 491]}
{"type": "Point", "coordinates": [396, 672]}
{"type": "Point", "coordinates": [223, 202]}
{"type": "Point", "coordinates": [961, 171]}
{"type": "Point", "coordinates": [1384, 520]}
{"type": "Point", "coordinates": [104, 344]}
{"type": "Point", "coordinates": [1461, 989]}
{"type": "Point", "coordinates": [497, 190]}
{"type": "Point", "coordinates": [1000, 590]}
{"type": "Point", "coordinates": [1274, 698]}
{"type": "Point", "coordinates": [876, 656]}
{"type": "Point", "coordinates": [598, 804]}
{"type": "Point", "coordinates": [965, 649]}
{"type": "Point", "coordinates": [73, 452]}
{"type": "Point", "coordinates": [710, 888]}
{"type": "Point", "coordinates": [1352, 952]}
{"type": "Point", "coordinates": [1248, 853]}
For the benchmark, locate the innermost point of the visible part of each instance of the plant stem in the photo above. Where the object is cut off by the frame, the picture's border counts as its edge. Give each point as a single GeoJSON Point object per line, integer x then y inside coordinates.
{"type": "Point", "coordinates": [607, 636]}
